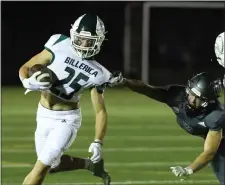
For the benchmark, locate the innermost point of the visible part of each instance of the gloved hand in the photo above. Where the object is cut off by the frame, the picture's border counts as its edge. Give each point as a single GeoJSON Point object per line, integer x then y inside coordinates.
{"type": "Point", "coordinates": [96, 150]}
{"type": "Point", "coordinates": [34, 84]}
{"type": "Point", "coordinates": [180, 171]}
{"type": "Point", "coordinates": [116, 79]}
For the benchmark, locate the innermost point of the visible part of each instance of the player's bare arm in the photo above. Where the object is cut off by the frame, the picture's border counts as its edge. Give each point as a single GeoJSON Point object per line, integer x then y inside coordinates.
{"type": "Point", "coordinates": [32, 82]}
{"type": "Point", "coordinates": [100, 125]}
{"type": "Point", "coordinates": [44, 57]}
{"type": "Point", "coordinates": [211, 145]}
{"type": "Point", "coordinates": [100, 112]}
{"type": "Point", "coordinates": [153, 92]}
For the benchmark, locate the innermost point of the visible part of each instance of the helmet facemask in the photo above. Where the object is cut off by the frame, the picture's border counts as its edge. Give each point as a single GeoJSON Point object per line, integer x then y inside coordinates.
{"type": "Point", "coordinates": [92, 47]}
{"type": "Point", "coordinates": [199, 101]}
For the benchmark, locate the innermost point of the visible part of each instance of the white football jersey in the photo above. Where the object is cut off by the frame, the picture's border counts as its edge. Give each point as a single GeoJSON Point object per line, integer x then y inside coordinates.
{"type": "Point", "coordinates": [74, 74]}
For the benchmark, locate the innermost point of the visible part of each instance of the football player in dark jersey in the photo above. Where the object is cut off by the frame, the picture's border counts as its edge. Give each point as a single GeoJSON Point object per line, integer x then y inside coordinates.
{"type": "Point", "coordinates": [198, 111]}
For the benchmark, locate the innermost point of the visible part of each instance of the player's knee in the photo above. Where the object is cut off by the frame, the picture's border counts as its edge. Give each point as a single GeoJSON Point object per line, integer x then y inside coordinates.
{"type": "Point", "coordinates": [50, 157]}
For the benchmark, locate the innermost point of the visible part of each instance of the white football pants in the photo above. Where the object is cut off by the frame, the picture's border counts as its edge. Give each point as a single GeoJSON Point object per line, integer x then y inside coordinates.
{"type": "Point", "coordinates": [55, 133]}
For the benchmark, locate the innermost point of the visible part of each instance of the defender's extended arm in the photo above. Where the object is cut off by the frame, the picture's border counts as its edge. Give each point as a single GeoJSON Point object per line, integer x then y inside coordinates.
{"type": "Point", "coordinates": [153, 92]}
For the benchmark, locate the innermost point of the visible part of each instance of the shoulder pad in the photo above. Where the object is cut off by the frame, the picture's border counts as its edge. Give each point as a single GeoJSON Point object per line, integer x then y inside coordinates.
{"type": "Point", "coordinates": [54, 39]}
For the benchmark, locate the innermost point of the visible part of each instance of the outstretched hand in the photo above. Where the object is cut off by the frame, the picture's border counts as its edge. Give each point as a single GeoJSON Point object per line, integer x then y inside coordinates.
{"type": "Point", "coordinates": [116, 79]}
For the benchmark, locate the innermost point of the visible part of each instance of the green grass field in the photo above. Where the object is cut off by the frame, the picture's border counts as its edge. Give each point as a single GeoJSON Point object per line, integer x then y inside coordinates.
{"type": "Point", "coordinates": [143, 140]}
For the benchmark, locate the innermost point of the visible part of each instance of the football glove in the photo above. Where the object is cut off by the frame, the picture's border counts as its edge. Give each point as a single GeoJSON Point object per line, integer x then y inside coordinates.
{"type": "Point", "coordinates": [116, 79]}
{"type": "Point", "coordinates": [180, 171]}
{"type": "Point", "coordinates": [96, 150]}
{"type": "Point", "coordinates": [34, 84]}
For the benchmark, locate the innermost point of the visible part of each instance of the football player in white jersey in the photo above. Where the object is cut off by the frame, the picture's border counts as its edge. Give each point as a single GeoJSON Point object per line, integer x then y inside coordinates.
{"type": "Point", "coordinates": [219, 51]}
{"type": "Point", "coordinates": [58, 114]}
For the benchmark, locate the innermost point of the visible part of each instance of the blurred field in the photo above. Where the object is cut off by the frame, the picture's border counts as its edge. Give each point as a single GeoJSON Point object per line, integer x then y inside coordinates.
{"type": "Point", "coordinates": [143, 140]}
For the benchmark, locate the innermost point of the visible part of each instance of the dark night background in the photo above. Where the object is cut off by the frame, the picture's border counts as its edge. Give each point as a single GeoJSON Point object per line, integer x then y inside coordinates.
{"type": "Point", "coordinates": [182, 40]}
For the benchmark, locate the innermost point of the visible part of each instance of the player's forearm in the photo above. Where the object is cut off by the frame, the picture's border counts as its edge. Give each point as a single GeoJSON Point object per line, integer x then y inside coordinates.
{"type": "Point", "coordinates": [156, 93]}
{"type": "Point", "coordinates": [100, 125]}
{"type": "Point", "coordinates": [23, 72]}
{"type": "Point", "coordinates": [43, 58]}
{"type": "Point", "coordinates": [201, 161]}
{"type": "Point", "coordinates": [139, 86]}
{"type": "Point", "coordinates": [133, 83]}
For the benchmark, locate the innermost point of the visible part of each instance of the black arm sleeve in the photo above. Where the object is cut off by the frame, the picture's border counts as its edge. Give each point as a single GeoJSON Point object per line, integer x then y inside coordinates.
{"type": "Point", "coordinates": [165, 94]}
{"type": "Point", "coordinates": [175, 95]}
{"type": "Point", "coordinates": [100, 88]}
{"type": "Point", "coordinates": [216, 121]}
{"type": "Point", "coordinates": [156, 93]}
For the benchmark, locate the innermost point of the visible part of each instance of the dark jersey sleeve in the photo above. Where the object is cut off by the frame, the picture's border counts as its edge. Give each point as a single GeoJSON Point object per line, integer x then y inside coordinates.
{"type": "Point", "coordinates": [175, 94]}
{"type": "Point", "coordinates": [159, 93]}
{"type": "Point", "coordinates": [216, 120]}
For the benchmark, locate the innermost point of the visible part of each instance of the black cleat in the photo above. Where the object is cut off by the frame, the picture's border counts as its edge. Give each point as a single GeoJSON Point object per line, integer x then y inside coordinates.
{"type": "Point", "coordinates": [106, 178]}
{"type": "Point", "coordinates": [98, 170]}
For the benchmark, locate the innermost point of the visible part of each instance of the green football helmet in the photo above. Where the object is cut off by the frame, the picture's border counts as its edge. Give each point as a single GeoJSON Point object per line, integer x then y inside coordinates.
{"type": "Point", "coordinates": [87, 35]}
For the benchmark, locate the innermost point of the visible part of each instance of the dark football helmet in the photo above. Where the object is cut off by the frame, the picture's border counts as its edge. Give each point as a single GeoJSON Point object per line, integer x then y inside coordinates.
{"type": "Point", "coordinates": [202, 90]}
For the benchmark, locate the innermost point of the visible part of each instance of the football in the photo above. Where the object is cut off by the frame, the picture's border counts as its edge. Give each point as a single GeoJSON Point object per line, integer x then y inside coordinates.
{"type": "Point", "coordinates": [46, 73]}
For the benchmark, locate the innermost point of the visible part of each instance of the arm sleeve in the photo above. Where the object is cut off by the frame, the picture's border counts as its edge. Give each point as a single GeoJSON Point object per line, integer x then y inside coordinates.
{"type": "Point", "coordinates": [153, 92]}
{"type": "Point", "coordinates": [100, 88]}
{"type": "Point", "coordinates": [216, 121]}
{"type": "Point", "coordinates": [51, 41]}
{"type": "Point", "coordinates": [162, 94]}
{"type": "Point", "coordinates": [175, 93]}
